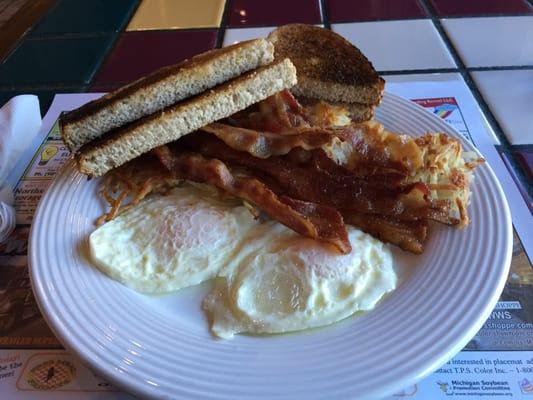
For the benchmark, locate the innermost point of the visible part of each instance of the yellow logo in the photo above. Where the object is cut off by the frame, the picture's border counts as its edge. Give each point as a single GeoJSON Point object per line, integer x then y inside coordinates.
{"type": "Point", "coordinates": [48, 152]}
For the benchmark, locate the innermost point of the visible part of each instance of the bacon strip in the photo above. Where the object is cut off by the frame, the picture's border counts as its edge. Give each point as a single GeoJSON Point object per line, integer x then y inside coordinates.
{"type": "Point", "coordinates": [275, 114]}
{"type": "Point", "coordinates": [310, 220]}
{"type": "Point", "coordinates": [318, 158]}
{"type": "Point", "coordinates": [375, 148]}
{"type": "Point", "coordinates": [409, 236]}
{"type": "Point", "coordinates": [326, 220]}
{"type": "Point", "coordinates": [165, 155]}
{"type": "Point", "coordinates": [266, 144]}
{"type": "Point", "coordinates": [407, 202]}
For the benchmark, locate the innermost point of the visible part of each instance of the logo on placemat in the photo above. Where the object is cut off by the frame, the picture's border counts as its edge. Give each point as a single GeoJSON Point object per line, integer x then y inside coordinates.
{"type": "Point", "coordinates": [445, 387]}
{"type": "Point", "coordinates": [444, 110]}
{"type": "Point", "coordinates": [51, 374]}
{"type": "Point", "coordinates": [526, 386]}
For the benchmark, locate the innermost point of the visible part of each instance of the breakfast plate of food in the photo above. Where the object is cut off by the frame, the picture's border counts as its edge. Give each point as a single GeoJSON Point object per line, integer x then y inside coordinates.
{"type": "Point", "coordinates": [266, 221]}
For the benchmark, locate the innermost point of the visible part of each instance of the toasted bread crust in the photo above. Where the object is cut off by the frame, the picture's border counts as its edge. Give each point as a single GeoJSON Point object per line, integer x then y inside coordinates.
{"type": "Point", "coordinates": [328, 66]}
{"type": "Point", "coordinates": [162, 89]}
{"type": "Point", "coordinates": [125, 143]}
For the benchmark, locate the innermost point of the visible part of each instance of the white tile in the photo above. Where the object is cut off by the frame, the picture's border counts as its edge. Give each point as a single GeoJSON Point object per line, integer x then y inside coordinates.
{"type": "Point", "coordinates": [233, 36]}
{"type": "Point", "coordinates": [509, 95]}
{"type": "Point", "coordinates": [492, 41]}
{"type": "Point", "coordinates": [398, 45]}
{"type": "Point", "coordinates": [436, 77]}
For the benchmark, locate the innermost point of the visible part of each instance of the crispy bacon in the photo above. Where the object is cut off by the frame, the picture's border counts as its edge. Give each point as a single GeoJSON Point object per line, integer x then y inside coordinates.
{"type": "Point", "coordinates": [274, 114]}
{"type": "Point", "coordinates": [310, 220]}
{"type": "Point", "coordinates": [320, 159]}
{"type": "Point", "coordinates": [328, 221]}
{"type": "Point", "coordinates": [266, 144]}
{"type": "Point", "coordinates": [309, 183]}
{"type": "Point", "coordinates": [375, 148]}
{"type": "Point", "coordinates": [313, 179]}
{"type": "Point", "coordinates": [164, 154]}
{"type": "Point", "coordinates": [409, 236]}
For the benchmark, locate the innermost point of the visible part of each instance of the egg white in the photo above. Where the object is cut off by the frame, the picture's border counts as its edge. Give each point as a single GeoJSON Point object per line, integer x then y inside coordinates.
{"type": "Point", "coordinates": [169, 242]}
{"type": "Point", "coordinates": [292, 283]}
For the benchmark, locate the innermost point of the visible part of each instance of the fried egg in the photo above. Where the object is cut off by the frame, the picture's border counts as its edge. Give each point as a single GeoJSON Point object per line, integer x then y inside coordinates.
{"type": "Point", "coordinates": [289, 283]}
{"type": "Point", "coordinates": [169, 242]}
{"type": "Point", "coordinates": [268, 279]}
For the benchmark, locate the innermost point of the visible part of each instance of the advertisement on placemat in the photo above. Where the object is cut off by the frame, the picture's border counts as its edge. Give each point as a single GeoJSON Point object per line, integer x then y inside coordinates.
{"type": "Point", "coordinates": [447, 109]}
{"type": "Point", "coordinates": [21, 323]}
{"type": "Point", "coordinates": [510, 325]}
{"type": "Point", "coordinates": [498, 361]}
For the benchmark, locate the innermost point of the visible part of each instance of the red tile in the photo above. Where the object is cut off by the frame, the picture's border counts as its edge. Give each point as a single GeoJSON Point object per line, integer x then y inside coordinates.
{"type": "Point", "coordinates": [273, 12]}
{"type": "Point", "coordinates": [139, 53]}
{"type": "Point", "coordinates": [481, 7]}
{"type": "Point", "coordinates": [367, 10]}
{"type": "Point", "coordinates": [103, 88]}
{"type": "Point", "coordinates": [526, 159]}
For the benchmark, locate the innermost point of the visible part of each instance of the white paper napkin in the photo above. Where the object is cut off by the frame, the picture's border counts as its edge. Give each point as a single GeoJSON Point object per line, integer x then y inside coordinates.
{"type": "Point", "coordinates": [20, 121]}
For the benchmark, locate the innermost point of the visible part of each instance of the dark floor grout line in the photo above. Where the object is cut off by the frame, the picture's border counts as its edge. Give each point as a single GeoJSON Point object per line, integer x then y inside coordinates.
{"type": "Point", "coordinates": [502, 68]}
{"type": "Point", "coordinates": [104, 57]}
{"type": "Point", "coordinates": [428, 17]}
{"type": "Point", "coordinates": [38, 36]}
{"type": "Point", "coordinates": [483, 15]}
{"type": "Point", "coordinates": [13, 49]}
{"type": "Point", "coordinates": [130, 17]}
{"type": "Point", "coordinates": [324, 14]}
{"type": "Point", "coordinates": [50, 11]}
{"type": "Point", "coordinates": [485, 109]}
{"type": "Point", "coordinates": [522, 147]}
{"type": "Point", "coordinates": [22, 36]}
{"type": "Point", "coordinates": [419, 71]}
{"type": "Point", "coordinates": [70, 35]}
{"type": "Point", "coordinates": [224, 21]}
{"type": "Point", "coordinates": [111, 48]}
{"type": "Point", "coordinates": [256, 26]}
{"type": "Point", "coordinates": [202, 29]}
{"type": "Point", "coordinates": [43, 87]}
{"type": "Point", "coordinates": [382, 20]}
{"type": "Point", "coordinates": [440, 29]}
{"type": "Point", "coordinates": [81, 35]}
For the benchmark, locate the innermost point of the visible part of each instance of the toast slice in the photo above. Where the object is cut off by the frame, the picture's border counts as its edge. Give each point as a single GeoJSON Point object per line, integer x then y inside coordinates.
{"type": "Point", "coordinates": [130, 141]}
{"type": "Point", "coordinates": [161, 89]}
{"type": "Point", "coordinates": [328, 66]}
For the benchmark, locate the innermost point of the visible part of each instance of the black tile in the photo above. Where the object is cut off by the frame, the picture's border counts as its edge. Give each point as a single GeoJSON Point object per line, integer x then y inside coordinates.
{"type": "Point", "coordinates": [53, 61]}
{"type": "Point", "coordinates": [85, 16]}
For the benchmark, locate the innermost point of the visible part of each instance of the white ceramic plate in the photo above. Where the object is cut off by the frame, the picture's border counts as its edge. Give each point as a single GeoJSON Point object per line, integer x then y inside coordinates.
{"type": "Point", "coordinates": [161, 346]}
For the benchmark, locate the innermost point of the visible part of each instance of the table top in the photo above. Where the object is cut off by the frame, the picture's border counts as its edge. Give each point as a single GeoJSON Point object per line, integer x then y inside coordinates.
{"type": "Point", "coordinates": [95, 46]}
{"type": "Point", "coordinates": [478, 52]}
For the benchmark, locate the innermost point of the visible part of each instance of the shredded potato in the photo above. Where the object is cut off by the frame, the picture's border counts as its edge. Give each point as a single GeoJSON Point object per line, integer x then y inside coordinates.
{"type": "Point", "coordinates": [448, 171]}
{"type": "Point", "coordinates": [127, 185]}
